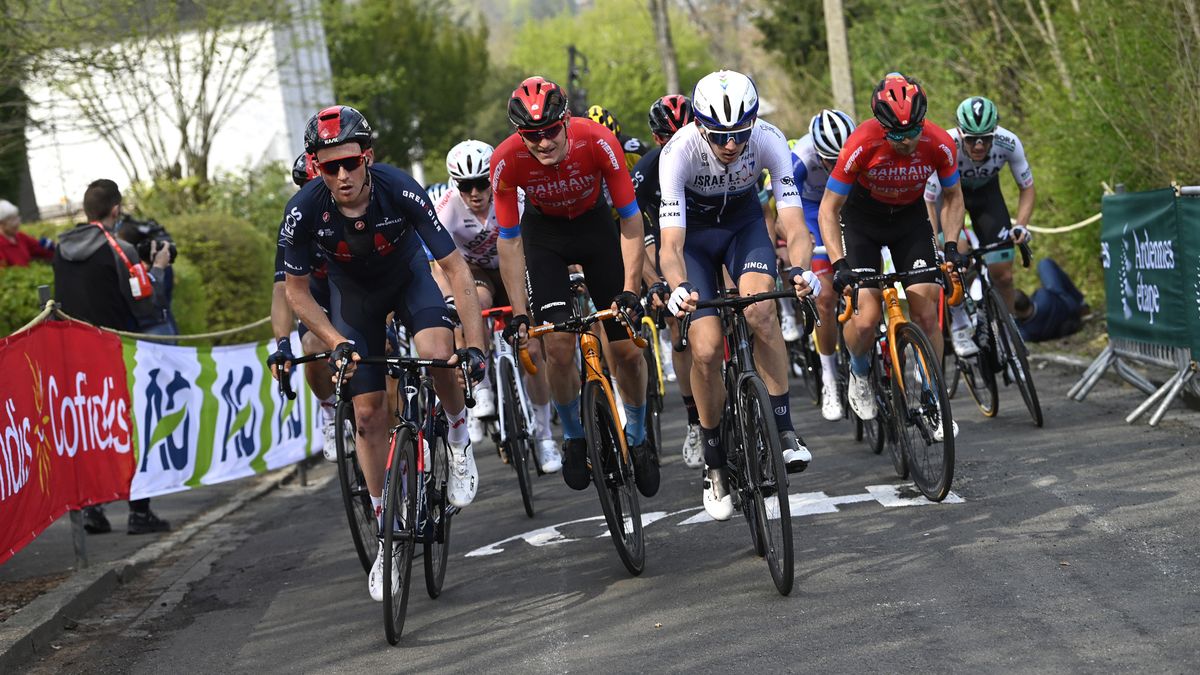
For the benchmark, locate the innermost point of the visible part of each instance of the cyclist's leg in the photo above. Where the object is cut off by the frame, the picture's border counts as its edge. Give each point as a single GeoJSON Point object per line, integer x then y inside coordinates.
{"type": "Point", "coordinates": [750, 259]}
{"type": "Point", "coordinates": [862, 245]}
{"type": "Point", "coordinates": [989, 216]}
{"type": "Point", "coordinates": [702, 253]}
{"type": "Point", "coordinates": [913, 250]}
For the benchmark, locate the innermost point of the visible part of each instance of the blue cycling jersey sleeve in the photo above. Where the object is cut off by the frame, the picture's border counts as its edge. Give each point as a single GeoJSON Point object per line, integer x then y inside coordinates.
{"type": "Point", "coordinates": [419, 209]}
{"type": "Point", "coordinates": [294, 235]}
{"type": "Point", "coordinates": [799, 170]}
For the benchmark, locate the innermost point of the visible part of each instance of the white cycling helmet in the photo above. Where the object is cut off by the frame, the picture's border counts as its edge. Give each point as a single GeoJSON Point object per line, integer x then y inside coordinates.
{"type": "Point", "coordinates": [469, 159]}
{"type": "Point", "coordinates": [436, 190]}
{"type": "Point", "coordinates": [830, 129]}
{"type": "Point", "coordinates": [725, 100]}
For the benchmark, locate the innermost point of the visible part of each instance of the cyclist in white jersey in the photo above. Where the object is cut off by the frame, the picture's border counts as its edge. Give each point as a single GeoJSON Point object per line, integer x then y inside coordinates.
{"type": "Point", "coordinates": [984, 148]}
{"type": "Point", "coordinates": [467, 212]}
{"type": "Point", "coordinates": [813, 157]}
{"type": "Point", "coordinates": [708, 174]}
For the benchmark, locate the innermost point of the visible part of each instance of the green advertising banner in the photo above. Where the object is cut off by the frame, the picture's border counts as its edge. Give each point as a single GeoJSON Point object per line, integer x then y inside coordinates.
{"type": "Point", "coordinates": [1143, 258]}
{"type": "Point", "coordinates": [1189, 243]}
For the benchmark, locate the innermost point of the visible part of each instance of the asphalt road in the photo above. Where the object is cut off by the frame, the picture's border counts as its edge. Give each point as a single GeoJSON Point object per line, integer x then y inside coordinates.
{"type": "Point", "coordinates": [1074, 548]}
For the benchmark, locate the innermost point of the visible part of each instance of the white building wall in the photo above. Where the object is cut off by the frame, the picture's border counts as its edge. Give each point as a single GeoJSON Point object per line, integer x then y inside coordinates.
{"type": "Point", "coordinates": [287, 82]}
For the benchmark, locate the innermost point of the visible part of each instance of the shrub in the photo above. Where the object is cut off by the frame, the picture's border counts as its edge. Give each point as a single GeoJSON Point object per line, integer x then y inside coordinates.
{"type": "Point", "coordinates": [19, 296]}
{"type": "Point", "coordinates": [223, 274]}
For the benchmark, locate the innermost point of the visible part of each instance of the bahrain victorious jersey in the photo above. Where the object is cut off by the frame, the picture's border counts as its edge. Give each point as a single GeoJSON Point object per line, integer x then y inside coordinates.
{"type": "Point", "coordinates": [564, 190]}
{"type": "Point", "coordinates": [891, 178]}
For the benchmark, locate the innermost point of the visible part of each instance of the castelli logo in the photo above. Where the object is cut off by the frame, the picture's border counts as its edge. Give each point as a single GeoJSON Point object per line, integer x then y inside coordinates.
{"type": "Point", "coordinates": [359, 225]}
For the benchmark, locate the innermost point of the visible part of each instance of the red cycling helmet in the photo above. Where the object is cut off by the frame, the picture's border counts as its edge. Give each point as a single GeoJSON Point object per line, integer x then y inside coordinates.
{"type": "Point", "coordinates": [899, 103]}
{"type": "Point", "coordinates": [303, 169]}
{"type": "Point", "coordinates": [670, 114]}
{"type": "Point", "coordinates": [536, 103]}
{"type": "Point", "coordinates": [336, 125]}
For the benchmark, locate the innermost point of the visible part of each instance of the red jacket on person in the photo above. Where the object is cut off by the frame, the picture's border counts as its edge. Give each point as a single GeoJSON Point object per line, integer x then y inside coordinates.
{"type": "Point", "coordinates": [21, 249]}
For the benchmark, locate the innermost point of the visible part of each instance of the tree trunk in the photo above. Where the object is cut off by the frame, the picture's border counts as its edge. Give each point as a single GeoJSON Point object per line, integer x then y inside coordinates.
{"type": "Point", "coordinates": [839, 55]}
{"type": "Point", "coordinates": [666, 47]}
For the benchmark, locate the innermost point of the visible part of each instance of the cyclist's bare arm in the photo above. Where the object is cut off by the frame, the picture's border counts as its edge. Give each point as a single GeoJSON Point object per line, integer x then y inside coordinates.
{"type": "Point", "coordinates": [633, 250]}
{"type": "Point", "coordinates": [307, 310]}
{"type": "Point", "coordinates": [282, 319]}
{"type": "Point", "coordinates": [953, 212]}
{"type": "Point", "coordinates": [512, 272]}
{"type": "Point", "coordinates": [462, 283]}
{"type": "Point", "coordinates": [1025, 206]}
{"type": "Point", "coordinates": [790, 222]}
{"type": "Point", "coordinates": [829, 218]}
{"type": "Point", "coordinates": [440, 278]}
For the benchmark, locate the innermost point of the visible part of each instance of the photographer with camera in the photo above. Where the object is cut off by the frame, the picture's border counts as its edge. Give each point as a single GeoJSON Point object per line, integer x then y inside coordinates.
{"type": "Point", "coordinates": [102, 280]}
{"type": "Point", "coordinates": [152, 241]}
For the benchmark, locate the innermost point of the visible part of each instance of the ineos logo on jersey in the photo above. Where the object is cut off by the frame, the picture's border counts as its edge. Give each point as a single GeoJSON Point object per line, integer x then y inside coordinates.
{"type": "Point", "coordinates": [290, 222]}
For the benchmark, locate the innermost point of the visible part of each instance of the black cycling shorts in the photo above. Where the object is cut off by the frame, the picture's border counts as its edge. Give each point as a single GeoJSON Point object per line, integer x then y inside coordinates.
{"type": "Point", "coordinates": [989, 213]}
{"type": "Point", "coordinates": [588, 240]}
{"type": "Point", "coordinates": [868, 225]}
{"type": "Point", "coordinates": [359, 307]}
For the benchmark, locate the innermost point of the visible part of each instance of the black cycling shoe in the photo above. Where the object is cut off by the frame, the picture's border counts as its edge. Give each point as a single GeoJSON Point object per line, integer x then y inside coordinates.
{"type": "Point", "coordinates": [645, 467]}
{"type": "Point", "coordinates": [94, 520]}
{"type": "Point", "coordinates": [146, 523]}
{"type": "Point", "coordinates": [574, 464]}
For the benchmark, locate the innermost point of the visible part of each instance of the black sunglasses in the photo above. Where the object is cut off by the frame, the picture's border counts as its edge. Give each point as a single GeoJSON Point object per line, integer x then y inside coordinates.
{"type": "Point", "coordinates": [468, 185]}
{"type": "Point", "coordinates": [976, 140]}
{"type": "Point", "coordinates": [334, 166]}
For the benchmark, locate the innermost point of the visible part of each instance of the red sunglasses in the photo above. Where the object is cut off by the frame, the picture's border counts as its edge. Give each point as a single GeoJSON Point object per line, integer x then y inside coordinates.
{"type": "Point", "coordinates": [536, 135]}
{"type": "Point", "coordinates": [334, 166]}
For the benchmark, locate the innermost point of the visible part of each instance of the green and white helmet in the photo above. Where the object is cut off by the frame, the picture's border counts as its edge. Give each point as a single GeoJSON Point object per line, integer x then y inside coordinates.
{"type": "Point", "coordinates": [977, 116]}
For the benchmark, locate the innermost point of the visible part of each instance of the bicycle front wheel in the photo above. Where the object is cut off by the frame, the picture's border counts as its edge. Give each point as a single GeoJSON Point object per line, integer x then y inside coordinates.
{"type": "Point", "coordinates": [654, 397]}
{"type": "Point", "coordinates": [924, 421]}
{"type": "Point", "coordinates": [1014, 357]}
{"type": "Point", "coordinates": [767, 476]}
{"type": "Point", "coordinates": [364, 527]}
{"type": "Point", "coordinates": [612, 473]}
{"type": "Point", "coordinates": [399, 540]}
{"type": "Point", "coordinates": [516, 436]}
{"type": "Point", "coordinates": [438, 513]}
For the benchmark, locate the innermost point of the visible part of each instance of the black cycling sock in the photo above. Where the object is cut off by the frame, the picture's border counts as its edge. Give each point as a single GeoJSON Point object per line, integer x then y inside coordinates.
{"type": "Point", "coordinates": [714, 454]}
{"type": "Point", "coordinates": [783, 412]}
{"type": "Point", "coordinates": [693, 416]}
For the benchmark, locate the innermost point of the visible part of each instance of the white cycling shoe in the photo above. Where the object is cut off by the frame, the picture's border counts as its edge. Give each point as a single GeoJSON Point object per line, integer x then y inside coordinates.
{"type": "Point", "coordinates": [831, 403]}
{"type": "Point", "coordinates": [693, 450]}
{"type": "Point", "coordinates": [485, 403]}
{"type": "Point", "coordinates": [329, 429]}
{"type": "Point", "coordinates": [464, 477]}
{"type": "Point", "coordinates": [375, 579]}
{"type": "Point", "coordinates": [475, 428]}
{"type": "Point", "coordinates": [718, 503]}
{"type": "Point", "coordinates": [547, 455]}
{"type": "Point", "coordinates": [964, 343]}
{"type": "Point", "coordinates": [862, 399]}
{"type": "Point", "coordinates": [787, 324]}
{"type": "Point", "coordinates": [939, 434]}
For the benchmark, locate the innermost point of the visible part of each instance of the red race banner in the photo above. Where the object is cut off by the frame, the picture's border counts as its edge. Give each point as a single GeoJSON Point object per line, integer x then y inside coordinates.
{"type": "Point", "coordinates": [65, 439]}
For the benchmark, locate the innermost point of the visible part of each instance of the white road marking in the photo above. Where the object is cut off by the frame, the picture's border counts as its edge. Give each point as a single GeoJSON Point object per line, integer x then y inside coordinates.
{"type": "Point", "coordinates": [802, 504]}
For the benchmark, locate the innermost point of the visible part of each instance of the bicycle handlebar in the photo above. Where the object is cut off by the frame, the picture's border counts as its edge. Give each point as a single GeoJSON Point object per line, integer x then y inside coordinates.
{"type": "Point", "coordinates": [879, 280]}
{"type": "Point", "coordinates": [579, 325]}
{"type": "Point", "coordinates": [978, 252]}
{"type": "Point", "coordinates": [285, 382]}
{"type": "Point", "coordinates": [808, 310]}
{"type": "Point", "coordinates": [285, 387]}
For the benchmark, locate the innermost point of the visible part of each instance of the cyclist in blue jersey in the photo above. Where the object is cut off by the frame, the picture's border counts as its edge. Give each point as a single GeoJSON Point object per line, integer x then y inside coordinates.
{"type": "Point", "coordinates": [369, 220]}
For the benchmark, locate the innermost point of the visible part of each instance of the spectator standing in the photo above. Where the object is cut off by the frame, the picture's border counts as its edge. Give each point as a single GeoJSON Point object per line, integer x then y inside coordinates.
{"type": "Point", "coordinates": [17, 249]}
{"type": "Point", "coordinates": [100, 279]}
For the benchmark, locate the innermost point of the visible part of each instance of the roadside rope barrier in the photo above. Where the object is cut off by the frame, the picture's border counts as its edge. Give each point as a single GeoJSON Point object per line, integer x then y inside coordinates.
{"type": "Point", "coordinates": [51, 308]}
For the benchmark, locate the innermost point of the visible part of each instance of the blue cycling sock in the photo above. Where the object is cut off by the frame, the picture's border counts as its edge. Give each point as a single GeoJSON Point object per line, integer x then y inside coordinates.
{"type": "Point", "coordinates": [860, 364]}
{"type": "Point", "coordinates": [635, 424]}
{"type": "Point", "coordinates": [568, 415]}
{"type": "Point", "coordinates": [783, 412]}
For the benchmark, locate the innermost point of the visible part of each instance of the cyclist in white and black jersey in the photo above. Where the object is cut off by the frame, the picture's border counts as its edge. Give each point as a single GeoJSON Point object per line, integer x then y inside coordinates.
{"type": "Point", "coordinates": [708, 174]}
{"type": "Point", "coordinates": [984, 148]}
{"type": "Point", "coordinates": [468, 214]}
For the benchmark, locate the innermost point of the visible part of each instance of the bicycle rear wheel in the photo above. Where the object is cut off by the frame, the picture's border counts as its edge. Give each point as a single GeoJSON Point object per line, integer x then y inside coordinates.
{"type": "Point", "coordinates": [922, 406]}
{"type": "Point", "coordinates": [400, 514]}
{"type": "Point", "coordinates": [364, 527]}
{"type": "Point", "coordinates": [882, 377]}
{"type": "Point", "coordinates": [981, 382]}
{"type": "Point", "coordinates": [654, 398]}
{"type": "Point", "coordinates": [438, 513]}
{"type": "Point", "coordinates": [613, 476]}
{"type": "Point", "coordinates": [1013, 354]}
{"type": "Point", "coordinates": [516, 436]}
{"type": "Point", "coordinates": [767, 480]}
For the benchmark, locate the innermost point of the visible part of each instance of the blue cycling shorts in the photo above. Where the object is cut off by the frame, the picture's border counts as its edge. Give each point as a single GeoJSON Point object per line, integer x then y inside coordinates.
{"type": "Point", "coordinates": [740, 243]}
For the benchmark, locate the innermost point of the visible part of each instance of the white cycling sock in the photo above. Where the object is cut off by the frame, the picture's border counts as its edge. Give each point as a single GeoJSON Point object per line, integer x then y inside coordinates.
{"type": "Point", "coordinates": [959, 318]}
{"type": "Point", "coordinates": [787, 308]}
{"type": "Point", "coordinates": [829, 369]}
{"type": "Point", "coordinates": [458, 427]}
{"type": "Point", "coordinates": [329, 409]}
{"type": "Point", "coordinates": [377, 505]}
{"type": "Point", "coordinates": [541, 416]}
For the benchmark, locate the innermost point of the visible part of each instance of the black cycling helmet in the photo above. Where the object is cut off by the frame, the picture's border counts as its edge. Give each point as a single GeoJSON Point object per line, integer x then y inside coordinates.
{"type": "Point", "coordinates": [303, 170]}
{"type": "Point", "coordinates": [336, 125]}
{"type": "Point", "coordinates": [670, 114]}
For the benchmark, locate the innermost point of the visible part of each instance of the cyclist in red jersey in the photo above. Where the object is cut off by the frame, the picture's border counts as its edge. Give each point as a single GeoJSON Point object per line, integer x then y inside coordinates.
{"type": "Point", "coordinates": [559, 163]}
{"type": "Point", "coordinates": [873, 199]}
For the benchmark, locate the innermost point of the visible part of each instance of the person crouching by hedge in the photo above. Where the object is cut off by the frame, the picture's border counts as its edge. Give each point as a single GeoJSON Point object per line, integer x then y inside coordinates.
{"type": "Point", "coordinates": [17, 249]}
{"type": "Point", "coordinates": [100, 279]}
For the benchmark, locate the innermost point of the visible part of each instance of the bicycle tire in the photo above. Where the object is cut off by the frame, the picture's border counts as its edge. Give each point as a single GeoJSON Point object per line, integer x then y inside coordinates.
{"type": "Point", "coordinates": [950, 366]}
{"type": "Point", "coordinates": [400, 505]}
{"type": "Point", "coordinates": [654, 399]}
{"type": "Point", "coordinates": [516, 436]}
{"type": "Point", "coordinates": [614, 479]}
{"type": "Point", "coordinates": [981, 383]}
{"type": "Point", "coordinates": [1013, 350]}
{"type": "Point", "coordinates": [768, 483]}
{"type": "Point", "coordinates": [930, 462]}
{"type": "Point", "coordinates": [364, 527]}
{"type": "Point", "coordinates": [885, 394]}
{"type": "Point", "coordinates": [437, 540]}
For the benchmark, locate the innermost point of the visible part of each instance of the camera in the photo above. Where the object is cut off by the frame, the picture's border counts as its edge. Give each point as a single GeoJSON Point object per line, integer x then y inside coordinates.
{"type": "Point", "coordinates": [142, 233]}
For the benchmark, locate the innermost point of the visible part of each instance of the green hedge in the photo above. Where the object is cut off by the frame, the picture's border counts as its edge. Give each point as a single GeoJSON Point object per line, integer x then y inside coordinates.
{"type": "Point", "coordinates": [18, 294]}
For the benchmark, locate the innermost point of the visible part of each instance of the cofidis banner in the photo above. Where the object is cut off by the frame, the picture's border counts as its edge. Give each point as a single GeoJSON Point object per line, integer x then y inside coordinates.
{"type": "Point", "coordinates": [65, 434]}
